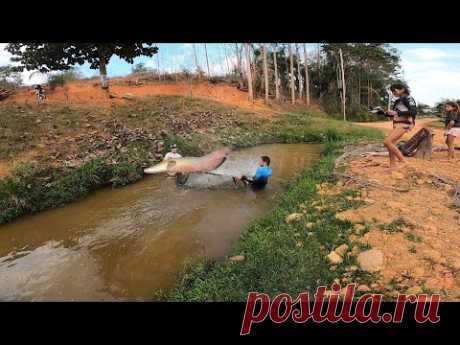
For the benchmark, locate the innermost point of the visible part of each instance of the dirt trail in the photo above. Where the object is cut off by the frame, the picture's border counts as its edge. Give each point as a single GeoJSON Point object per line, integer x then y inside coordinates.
{"type": "Point", "coordinates": [89, 92]}
{"type": "Point", "coordinates": [421, 250]}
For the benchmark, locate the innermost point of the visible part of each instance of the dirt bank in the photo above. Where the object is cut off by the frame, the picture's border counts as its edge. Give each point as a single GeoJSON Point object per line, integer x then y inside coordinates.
{"type": "Point", "coordinates": [89, 92]}
{"type": "Point", "coordinates": [411, 216]}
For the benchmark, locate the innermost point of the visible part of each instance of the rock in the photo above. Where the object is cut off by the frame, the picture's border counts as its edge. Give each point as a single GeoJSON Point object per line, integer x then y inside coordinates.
{"type": "Point", "coordinates": [363, 288]}
{"type": "Point", "coordinates": [334, 258]}
{"type": "Point", "coordinates": [319, 208]}
{"type": "Point", "coordinates": [349, 198]}
{"type": "Point", "coordinates": [293, 217]}
{"type": "Point", "coordinates": [310, 233]}
{"type": "Point", "coordinates": [299, 244]}
{"type": "Point", "coordinates": [237, 258]}
{"type": "Point", "coordinates": [359, 227]}
{"type": "Point", "coordinates": [371, 260]}
{"type": "Point", "coordinates": [415, 290]}
{"type": "Point", "coordinates": [397, 175]}
{"type": "Point", "coordinates": [355, 250]}
{"type": "Point", "coordinates": [369, 201]}
{"type": "Point", "coordinates": [341, 250]}
{"type": "Point", "coordinates": [310, 225]}
{"type": "Point", "coordinates": [375, 286]}
{"type": "Point", "coordinates": [128, 96]}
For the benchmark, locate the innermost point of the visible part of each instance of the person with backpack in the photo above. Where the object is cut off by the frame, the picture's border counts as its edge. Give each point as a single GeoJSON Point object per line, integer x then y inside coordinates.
{"type": "Point", "coordinates": [452, 127]}
{"type": "Point", "coordinates": [403, 113]}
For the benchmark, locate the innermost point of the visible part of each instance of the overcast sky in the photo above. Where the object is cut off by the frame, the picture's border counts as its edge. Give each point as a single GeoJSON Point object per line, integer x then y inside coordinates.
{"type": "Point", "coordinates": [432, 70]}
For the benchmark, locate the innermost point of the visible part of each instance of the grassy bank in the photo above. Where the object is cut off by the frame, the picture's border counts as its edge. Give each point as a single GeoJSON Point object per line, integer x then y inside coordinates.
{"type": "Point", "coordinates": [280, 256]}
{"type": "Point", "coordinates": [90, 148]}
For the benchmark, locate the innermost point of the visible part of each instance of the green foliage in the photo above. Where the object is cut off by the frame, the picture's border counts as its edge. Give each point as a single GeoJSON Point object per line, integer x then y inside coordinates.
{"type": "Point", "coordinates": [60, 79]}
{"type": "Point", "coordinates": [9, 78]}
{"type": "Point", "coordinates": [141, 68]}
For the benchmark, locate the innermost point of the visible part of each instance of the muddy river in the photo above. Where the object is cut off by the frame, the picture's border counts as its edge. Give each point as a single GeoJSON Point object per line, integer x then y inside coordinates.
{"type": "Point", "coordinates": [126, 243]}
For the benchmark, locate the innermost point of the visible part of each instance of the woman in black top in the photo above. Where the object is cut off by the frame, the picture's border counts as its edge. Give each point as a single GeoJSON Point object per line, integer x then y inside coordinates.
{"type": "Point", "coordinates": [452, 127]}
{"type": "Point", "coordinates": [403, 114]}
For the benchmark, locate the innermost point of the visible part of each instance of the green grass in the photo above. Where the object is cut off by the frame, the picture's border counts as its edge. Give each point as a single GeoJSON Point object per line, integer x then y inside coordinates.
{"type": "Point", "coordinates": [413, 237]}
{"type": "Point", "coordinates": [273, 262]}
{"type": "Point", "coordinates": [396, 225]}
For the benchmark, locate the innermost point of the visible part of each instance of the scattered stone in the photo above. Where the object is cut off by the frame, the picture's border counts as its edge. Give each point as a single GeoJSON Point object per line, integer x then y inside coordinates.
{"type": "Point", "coordinates": [397, 175]}
{"type": "Point", "coordinates": [237, 258]}
{"type": "Point", "coordinates": [359, 227]}
{"type": "Point", "coordinates": [363, 288]}
{"type": "Point", "coordinates": [334, 258]}
{"type": "Point", "coordinates": [341, 250]}
{"type": "Point", "coordinates": [293, 217]}
{"type": "Point", "coordinates": [371, 260]}
{"type": "Point", "coordinates": [310, 225]}
{"type": "Point", "coordinates": [415, 290]}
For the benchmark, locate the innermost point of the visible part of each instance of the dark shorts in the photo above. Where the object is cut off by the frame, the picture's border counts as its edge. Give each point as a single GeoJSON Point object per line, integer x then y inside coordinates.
{"type": "Point", "coordinates": [255, 184]}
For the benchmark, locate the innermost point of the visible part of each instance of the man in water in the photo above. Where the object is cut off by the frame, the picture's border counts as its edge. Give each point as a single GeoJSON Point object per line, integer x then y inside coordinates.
{"type": "Point", "coordinates": [263, 172]}
{"type": "Point", "coordinates": [173, 154]}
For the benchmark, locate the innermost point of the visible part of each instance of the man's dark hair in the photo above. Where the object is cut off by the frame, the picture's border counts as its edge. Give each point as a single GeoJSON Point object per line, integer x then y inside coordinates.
{"type": "Point", "coordinates": [400, 86]}
{"type": "Point", "coordinates": [266, 159]}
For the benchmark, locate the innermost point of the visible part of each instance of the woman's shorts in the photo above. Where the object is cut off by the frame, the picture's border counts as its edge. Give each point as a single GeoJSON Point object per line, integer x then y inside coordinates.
{"type": "Point", "coordinates": [455, 131]}
{"type": "Point", "coordinates": [407, 127]}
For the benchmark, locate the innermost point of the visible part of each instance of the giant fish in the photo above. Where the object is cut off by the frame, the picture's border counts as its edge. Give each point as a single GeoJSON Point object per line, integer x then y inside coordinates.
{"type": "Point", "coordinates": [186, 165]}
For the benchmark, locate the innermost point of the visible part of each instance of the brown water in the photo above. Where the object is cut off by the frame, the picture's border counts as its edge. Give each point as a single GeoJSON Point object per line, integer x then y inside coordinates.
{"type": "Point", "coordinates": [124, 244]}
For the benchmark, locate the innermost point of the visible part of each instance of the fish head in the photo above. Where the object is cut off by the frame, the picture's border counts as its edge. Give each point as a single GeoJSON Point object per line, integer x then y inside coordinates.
{"type": "Point", "coordinates": [161, 167]}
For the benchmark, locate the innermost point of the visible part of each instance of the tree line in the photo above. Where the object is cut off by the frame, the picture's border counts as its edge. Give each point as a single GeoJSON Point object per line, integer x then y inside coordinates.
{"type": "Point", "coordinates": [345, 78]}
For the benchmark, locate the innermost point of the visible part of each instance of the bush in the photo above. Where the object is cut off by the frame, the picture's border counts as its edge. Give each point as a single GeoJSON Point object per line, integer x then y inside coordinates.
{"type": "Point", "coordinates": [62, 78]}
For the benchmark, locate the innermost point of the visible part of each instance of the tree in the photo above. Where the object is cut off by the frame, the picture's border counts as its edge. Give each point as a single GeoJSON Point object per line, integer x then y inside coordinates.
{"type": "Point", "coordinates": [307, 79]}
{"type": "Point", "coordinates": [46, 57]}
{"type": "Point", "coordinates": [277, 87]}
{"type": "Point", "coordinates": [264, 48]}
{"type": "Point", "coordinates": [344, 95]}
{"type": "Point", "coordinates": [298, 70]}
{"type": "Point", "coordinates": [248, 72]}
{"type": "Point", "coordinates": [291, 64]}
{"type": "Point", "coordinates": [207, 61]}
{"type": "Point", "coordinates": [9, 77]}
{"type": "Point", "coordinates": [140, 68]}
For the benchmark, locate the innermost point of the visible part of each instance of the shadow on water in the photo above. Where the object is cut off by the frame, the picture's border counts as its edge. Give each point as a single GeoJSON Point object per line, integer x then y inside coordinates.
{"type": "Point", "coordinates": [123, 244]}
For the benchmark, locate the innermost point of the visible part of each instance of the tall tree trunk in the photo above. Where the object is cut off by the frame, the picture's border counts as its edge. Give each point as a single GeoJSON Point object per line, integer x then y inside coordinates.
{"type": "Point", "coordinates": [103, 72]}
{"type": "Point", "coordinates": [291, 63]}
{"type": "Point", "coordinates": [359, 90]}
{"type": "Point", "coordinates": [370, 90]}
{"type": "Point", "coordinates": [344, 93]}
{"type": "Point", "coordinates": [368, 93]}
{"type": "Point", "coordinates": [207, 61]}
{"type": "Point", "coordinates": [158, 65]}
{"type": "Point", "coordinates": [264, 49]}
{"type": "Point", "coordinates": [307, 79]}
{"type": "Point", "coordinates": [277, 88]}
{"type": "Point", "coordinates": [248, 72]}
{"type": "Point", "coordinates": [226, 60]}
{"type": "Point", "coordinates": [197, 66]}
{"type": "Point", "coordinates": [319, 62]}
{"type": "Point", "coordinates": [299, 77]}
{"type": "Point", "coordinates": [238, 60]}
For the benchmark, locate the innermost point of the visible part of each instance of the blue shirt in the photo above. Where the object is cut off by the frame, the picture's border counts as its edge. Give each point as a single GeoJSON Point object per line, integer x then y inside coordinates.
{"type": "Point", "coordinates": [262, 174]}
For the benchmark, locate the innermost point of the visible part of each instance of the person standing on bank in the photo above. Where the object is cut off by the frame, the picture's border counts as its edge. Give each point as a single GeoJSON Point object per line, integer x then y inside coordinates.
{"type": "Point", "coordinates": [452, 127]}
{"type": "Point", "coordinates": [403, 115]}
